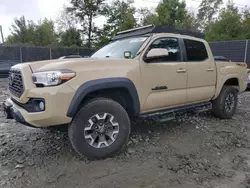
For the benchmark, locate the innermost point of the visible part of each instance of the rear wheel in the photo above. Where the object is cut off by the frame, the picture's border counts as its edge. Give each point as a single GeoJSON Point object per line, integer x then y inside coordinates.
{"type": "Point", "coordinates": [225, 105]}
{"type": "Point", "coordinates": [100, 129]}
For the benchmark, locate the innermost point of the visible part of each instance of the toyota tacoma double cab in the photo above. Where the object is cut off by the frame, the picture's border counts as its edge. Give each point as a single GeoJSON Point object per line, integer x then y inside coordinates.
{"type": "Point", "coordinates": [151, 71]}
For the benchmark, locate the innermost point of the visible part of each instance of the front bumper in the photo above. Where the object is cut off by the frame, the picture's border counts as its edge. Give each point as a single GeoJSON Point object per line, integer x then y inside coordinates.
{"type": "Point", "coordinates": [12, 113]}
{"type": "Point", "coordinates": [56, 99]}
{"type": "Point", "coordinates": [41, 119]}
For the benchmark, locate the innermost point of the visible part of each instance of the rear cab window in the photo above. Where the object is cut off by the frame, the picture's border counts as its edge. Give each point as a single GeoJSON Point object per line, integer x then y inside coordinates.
{"type": "Point", "coordinates": [195, 50]}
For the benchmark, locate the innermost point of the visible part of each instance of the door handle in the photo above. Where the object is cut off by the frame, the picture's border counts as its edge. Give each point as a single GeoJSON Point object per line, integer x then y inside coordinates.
{"type": "Point", "coordinates": [181, 70]}
{"type": "Point", "coordinates": [210, 69]}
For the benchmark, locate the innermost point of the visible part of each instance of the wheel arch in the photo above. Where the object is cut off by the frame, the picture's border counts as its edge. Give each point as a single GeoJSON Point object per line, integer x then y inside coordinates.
{"type": "Point", "coordinates": [232, 80]}
{"type": "Point", "coordinates": [105, 85]}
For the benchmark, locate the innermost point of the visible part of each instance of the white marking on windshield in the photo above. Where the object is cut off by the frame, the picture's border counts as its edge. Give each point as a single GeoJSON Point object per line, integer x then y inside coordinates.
{"type": "Point", "coordinates": [137, 40]}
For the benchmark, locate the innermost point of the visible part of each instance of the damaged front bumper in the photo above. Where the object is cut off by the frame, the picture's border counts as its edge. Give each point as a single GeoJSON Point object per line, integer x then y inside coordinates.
{"type": "Point", "coordinates": [12, 113]}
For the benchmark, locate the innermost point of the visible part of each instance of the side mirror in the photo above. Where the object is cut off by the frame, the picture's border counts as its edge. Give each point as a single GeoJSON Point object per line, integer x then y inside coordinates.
{"type": "Point", "coordinates": [157, 53]}
{"type": "Point", "coordinates": [127, 54]}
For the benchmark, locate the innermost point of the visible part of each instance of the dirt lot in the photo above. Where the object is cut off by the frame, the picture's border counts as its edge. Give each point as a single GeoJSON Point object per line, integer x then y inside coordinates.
{"type": "Point", "coordinates": [194, 151]}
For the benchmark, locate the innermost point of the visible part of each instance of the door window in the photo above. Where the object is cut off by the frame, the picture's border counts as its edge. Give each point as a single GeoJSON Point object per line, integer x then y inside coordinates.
{"type": "Point", "coordinates": [171, 44]}
{"type": "Point", "coordinates": [196, 50]}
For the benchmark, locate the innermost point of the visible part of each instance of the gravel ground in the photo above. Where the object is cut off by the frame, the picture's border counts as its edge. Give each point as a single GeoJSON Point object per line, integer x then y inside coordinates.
{"type": "Point", "coordinates": [191, 152]}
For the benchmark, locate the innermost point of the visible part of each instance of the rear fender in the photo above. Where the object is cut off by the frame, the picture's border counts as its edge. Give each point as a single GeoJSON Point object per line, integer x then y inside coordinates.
{"type": "Point", "coordinates": [222, 81]}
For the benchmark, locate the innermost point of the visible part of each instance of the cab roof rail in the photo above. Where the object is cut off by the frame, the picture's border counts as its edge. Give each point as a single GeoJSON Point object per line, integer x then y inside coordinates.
{"type": "Point", "coordinates": [150, 29]}
{"type": "Point", "coordinates": [135, 29]}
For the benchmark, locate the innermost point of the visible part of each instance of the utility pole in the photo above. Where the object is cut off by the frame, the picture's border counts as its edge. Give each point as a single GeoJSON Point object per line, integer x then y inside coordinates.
{"type": "Point", "coordinates": [1, 31]}
{"type": "Point", "coordinates": [245, 58]}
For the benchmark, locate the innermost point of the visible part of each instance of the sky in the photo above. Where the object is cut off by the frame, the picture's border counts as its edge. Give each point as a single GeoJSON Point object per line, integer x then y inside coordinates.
{"type": "Point", "coordinates": [37, 9]}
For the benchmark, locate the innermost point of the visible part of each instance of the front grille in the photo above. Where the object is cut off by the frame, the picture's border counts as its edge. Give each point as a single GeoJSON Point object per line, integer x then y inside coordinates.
{"type": "Point", "coordinates": [16, 83]}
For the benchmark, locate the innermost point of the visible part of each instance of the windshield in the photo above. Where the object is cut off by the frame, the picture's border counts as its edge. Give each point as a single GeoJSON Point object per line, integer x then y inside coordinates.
{"type": "Point", "coordinates": [116, 49]}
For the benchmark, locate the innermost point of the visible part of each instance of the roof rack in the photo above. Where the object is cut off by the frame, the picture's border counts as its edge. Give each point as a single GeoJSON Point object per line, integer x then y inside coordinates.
{"type": "Point", "coordinates": [149, 29]}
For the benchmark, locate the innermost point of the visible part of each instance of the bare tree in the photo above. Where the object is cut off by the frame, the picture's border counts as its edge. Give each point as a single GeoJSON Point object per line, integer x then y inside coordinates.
{"type": "Point", "coordinates": [86, 11]}
{"type": "Point", "coordinates": [65, 20]}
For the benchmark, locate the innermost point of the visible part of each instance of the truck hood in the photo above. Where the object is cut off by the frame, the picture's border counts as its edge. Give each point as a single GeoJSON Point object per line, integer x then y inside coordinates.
{"type": "Point", "coordinates": [78, 64]}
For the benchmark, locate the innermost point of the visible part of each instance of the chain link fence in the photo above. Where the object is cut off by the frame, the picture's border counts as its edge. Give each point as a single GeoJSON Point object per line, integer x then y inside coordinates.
{"type": "Point", "coordinates": [30, 53]}
{"type": "Point", "coordinates": [237, 50]}
{"type": "Point", "coordinates": [233, 50]}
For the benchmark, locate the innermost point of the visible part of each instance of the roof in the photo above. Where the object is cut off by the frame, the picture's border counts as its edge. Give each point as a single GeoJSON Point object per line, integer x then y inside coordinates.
{"type": "Point", "coordinates": [150, 29]}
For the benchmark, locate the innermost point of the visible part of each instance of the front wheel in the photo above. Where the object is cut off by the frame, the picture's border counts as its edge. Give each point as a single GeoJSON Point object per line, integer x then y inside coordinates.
{"type": "Point", "coordinates": [100, 129]}
{"type": "Point", "coordinates": [225, 105]}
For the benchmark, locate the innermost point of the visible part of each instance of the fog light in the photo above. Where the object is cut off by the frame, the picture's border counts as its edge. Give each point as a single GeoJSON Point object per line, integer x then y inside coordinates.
{"type": "Point", "coordinates": [41, 105]}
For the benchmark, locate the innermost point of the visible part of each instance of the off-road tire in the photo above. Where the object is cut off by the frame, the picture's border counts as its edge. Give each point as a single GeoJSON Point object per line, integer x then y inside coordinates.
{"type": "Point", "coordinates": [80, 121]}
{"type": "Point", "coordinates": [219, 104]}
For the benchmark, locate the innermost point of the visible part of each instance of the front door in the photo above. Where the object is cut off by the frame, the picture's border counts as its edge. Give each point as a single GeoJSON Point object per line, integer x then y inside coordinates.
{"type": "Point", "coordinates": [164, 80]}
{"type": "Point", "coordinates": [201, 68]}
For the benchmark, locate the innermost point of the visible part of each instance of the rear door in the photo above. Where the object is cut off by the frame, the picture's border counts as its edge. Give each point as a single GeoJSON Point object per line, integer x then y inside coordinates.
{"type": "Point", "coordinates": [201, 71]}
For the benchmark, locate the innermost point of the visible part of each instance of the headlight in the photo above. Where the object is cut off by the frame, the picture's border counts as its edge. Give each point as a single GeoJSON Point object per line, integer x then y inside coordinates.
{"type": "Point", "coordinates": [52, 78]}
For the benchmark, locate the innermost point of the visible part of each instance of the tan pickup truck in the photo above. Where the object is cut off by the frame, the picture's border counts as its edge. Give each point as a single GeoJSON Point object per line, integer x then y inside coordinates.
{"type": "Point", "coordinates": [153, 71]}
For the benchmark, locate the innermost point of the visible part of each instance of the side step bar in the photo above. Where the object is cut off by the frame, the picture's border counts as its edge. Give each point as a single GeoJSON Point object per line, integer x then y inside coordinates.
{"type": "Point", "coordinates": [170, 114]}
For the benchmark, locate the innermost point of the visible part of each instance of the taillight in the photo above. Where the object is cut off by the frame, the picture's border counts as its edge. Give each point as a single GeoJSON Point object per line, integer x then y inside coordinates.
{"type": "Point", "coordinates": [242, 64]}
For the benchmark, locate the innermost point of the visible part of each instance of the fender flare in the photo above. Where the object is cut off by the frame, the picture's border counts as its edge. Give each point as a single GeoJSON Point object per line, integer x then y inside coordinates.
{"type": "Point", "coordinates": [219, 87]}
{"type": "Point", "coordinates": [105, 83]}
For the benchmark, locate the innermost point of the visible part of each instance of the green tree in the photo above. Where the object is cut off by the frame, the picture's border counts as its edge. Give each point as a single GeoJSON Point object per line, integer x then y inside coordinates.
{"type": "Point", "coordinates": [228, 25]}
{"type": "Point", "coordinates": [103, 37]}
{"type": "Point", "coordinates": [207, 10]}
{"type": "Point", "coordinates": [22, 32]}
{"type": "Point", "coordinates": [171, 12]}
{"type": "Point", "coordinates": [190, 22]}
{"type": "Point", "coordinates": [150, 19]}
{"type": "Point", "coordinates": [70, 37]}
{"type": "Point", "coordinates": [45, 33]}
{"type": "Point", "coordinates": [86, 11]}
{"type": "Point", "coordinates": [147, 17]}
{"type": "Point", "coordinates": [120, 17]}
{"type": "Point", "coordinates": [246, 23]}
{"type": "Point", "coordinates": [27, 32]}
